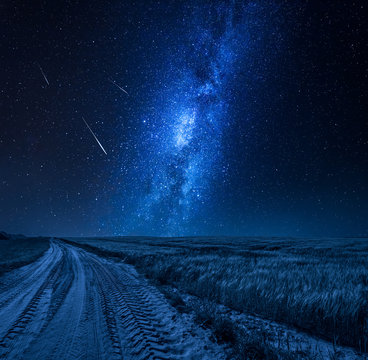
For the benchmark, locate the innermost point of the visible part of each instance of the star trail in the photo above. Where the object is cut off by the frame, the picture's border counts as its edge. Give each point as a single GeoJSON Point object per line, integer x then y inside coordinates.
{"type": "Point", "coordinates": [213, 117]}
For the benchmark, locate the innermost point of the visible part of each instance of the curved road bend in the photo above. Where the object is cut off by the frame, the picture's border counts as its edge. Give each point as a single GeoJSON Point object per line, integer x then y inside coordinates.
{"type": "Point", "coordinates": [71, 304]}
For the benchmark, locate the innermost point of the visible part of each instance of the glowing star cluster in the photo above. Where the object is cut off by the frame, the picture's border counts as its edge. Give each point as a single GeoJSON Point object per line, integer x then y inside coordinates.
{"type": "Point", "coordinates": [183, 131]}
{"type": "Point", "coordinates": [211, 117]}
{"type": "Point", "coordinates": [187, 140]}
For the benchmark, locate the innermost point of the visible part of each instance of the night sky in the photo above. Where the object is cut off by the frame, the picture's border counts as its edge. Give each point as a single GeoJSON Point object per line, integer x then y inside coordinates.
{"type": "Point", "coordinates": [217, 118]}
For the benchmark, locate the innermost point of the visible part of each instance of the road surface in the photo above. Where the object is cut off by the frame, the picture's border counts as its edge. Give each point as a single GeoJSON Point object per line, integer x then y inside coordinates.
{"type": "Point", "coordinates": [71, 304]}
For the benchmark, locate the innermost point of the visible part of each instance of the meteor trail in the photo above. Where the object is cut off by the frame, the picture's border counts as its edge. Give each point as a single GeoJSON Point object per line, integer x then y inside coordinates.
{"type": "Point", "coordinates": [94, 136]}
{"type": "Point", "coordinates": [113, 82]}
{"type": "Point", "coordinates": [43, 74]}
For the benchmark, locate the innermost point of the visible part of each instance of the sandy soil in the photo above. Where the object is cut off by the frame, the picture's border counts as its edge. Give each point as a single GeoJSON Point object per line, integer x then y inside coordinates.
{"type": "Point", "coordinates": [71, 304]}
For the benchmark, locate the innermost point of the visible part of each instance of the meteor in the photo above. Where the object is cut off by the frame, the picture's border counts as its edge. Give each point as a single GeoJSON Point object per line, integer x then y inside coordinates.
{"type": "Point", "coordinates": [94, 136]}
{"type": "Point", "coordinates": [113, 82]}
{"type": "Point", "coordinates": [43, 74]}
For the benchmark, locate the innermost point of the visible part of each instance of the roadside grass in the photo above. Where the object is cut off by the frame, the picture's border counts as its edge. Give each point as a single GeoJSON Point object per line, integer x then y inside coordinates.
{"type": "Point", "coordinates": [318, 286]}
{"type": "Point", "coordinates": [246, 345]}
{"type": "Point", "coordinates": [19, 251]}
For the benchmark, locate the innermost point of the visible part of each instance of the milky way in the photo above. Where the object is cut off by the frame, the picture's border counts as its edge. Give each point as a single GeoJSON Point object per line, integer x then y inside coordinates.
{"type": "Point", "coordinates": [218, 117]}
{"type": "Point", "coordinates": [185, 145]}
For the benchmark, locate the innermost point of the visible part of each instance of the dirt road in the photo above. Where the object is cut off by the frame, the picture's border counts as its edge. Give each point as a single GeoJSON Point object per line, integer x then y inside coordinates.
{"type": "Point", "coordinates": [71, 304]}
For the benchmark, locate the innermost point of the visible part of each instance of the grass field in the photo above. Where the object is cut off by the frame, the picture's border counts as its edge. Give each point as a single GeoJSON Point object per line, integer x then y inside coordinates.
{"type": "Point", "coordinates": [317, 285]}
{"type": "Point", "coordinates": [17, 251]}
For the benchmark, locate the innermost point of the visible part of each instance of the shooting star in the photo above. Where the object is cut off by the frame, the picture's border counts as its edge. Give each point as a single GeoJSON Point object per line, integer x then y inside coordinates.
{"type": "Point", "coordinates": [94, 136]}
{"type": "Point", "coordinates": [113, 82]}
{"type": "Point", "coordinates": [43, 74]}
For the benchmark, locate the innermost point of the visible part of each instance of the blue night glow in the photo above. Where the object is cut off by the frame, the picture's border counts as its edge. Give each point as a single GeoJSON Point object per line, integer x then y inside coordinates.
{"type": "Point", "coordinates": [185, 146]}
{"type": "Point", "coordinates": [184, 118]}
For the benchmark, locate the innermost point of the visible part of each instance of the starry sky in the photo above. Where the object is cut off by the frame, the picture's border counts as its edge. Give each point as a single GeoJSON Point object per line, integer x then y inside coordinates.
{"type": "Point", "coordinates": [217, 118]}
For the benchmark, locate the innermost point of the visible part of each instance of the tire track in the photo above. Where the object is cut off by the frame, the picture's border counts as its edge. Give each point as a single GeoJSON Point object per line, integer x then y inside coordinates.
{"type": "Point", "coordinates": [141, 334]}
{"type": "Point", "coordinates": [16, 339]}
{"type": "Point", "coordinates": [81, 306]}
{"type": "Point", "coordinates": [25, 276]}
{"type": "Point", "coordinates": [136, 311]}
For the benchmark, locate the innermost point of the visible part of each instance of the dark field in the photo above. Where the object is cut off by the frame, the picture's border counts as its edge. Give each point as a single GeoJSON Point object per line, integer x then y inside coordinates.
{"type": "Point", "coordinates": [17, 251]}
{"type": "Point", "coordinates": [317, 285]}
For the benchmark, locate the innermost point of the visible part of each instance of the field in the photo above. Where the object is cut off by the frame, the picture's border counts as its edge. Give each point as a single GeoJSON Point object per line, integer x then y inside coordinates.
{"type": "Point", "coordinates": [72, 304]}
{"type": "Point", "coordinates": [319, 286]}
{"type": "Point", "coordinates": [17, 251]}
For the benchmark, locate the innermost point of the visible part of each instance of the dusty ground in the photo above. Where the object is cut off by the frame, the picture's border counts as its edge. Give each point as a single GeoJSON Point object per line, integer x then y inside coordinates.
{"type": "Point", "coordinates": [71, 304]}
{"type": "Point", "coordinates": [280, 293]}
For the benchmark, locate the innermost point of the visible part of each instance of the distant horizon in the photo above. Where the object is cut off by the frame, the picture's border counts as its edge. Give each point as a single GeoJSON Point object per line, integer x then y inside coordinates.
{"type": "Point", "coordinates": [192, 236]}
{"type": "Point", "coordinates": [184, 179]}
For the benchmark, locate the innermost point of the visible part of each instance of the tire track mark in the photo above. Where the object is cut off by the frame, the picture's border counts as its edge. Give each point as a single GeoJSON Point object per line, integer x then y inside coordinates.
{"type": "Point", "coordinates": [83, 306]}
{"type": "Point", "coordinates": [13, 338]}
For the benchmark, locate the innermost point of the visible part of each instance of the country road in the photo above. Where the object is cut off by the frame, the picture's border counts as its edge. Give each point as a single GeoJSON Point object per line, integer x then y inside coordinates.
{"type": "Point", "coordinates": [71, 304]}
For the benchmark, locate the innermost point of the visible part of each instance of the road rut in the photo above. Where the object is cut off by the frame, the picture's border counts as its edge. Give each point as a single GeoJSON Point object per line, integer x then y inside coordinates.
{"type": "Point", "coordinates": [71, 304]}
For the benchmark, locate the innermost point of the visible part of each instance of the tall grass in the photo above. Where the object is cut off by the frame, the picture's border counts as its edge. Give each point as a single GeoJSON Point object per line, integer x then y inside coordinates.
{"type": "Point", "coordinates": [321, 290]}
{"type": "Point", "coordinates": [16, 252]}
